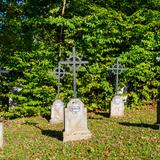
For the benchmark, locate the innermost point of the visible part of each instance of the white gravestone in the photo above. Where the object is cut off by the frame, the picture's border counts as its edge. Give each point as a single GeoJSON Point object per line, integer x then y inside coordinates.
{"type": "Point", "coordinates": [117, 106]}
{"type": "Point", "coordinates": [75, 121]}
{"type": "Point", "coordinates": [1, 135]}
{"type": "Point", "coordinates": [57, 112]}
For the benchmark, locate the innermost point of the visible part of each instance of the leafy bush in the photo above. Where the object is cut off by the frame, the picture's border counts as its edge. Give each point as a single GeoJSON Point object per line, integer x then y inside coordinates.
{"type": "Point", "coordinates": [33, 45]}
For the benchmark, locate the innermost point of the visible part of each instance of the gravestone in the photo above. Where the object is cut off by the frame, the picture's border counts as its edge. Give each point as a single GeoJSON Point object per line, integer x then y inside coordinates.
{"type": "Point", "coordinates": [57, 108]}
{"type": "Point", "coordinates": [1, 135]}
{"type": "Point", "coordinates": [117, 106]}
{"type": "Point", "coordinates": [117, 103]}
{"type": "Point", "coordinates": [57, 112]}
{"type": "Point", "coordinates": [75, 126]}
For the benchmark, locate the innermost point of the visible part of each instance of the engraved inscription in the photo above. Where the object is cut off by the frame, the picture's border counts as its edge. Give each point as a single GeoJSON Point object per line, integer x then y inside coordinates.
{"type": "Point", "coordinates": [117, 101]}
{"type": "Point", "coordinates": [75, 108]}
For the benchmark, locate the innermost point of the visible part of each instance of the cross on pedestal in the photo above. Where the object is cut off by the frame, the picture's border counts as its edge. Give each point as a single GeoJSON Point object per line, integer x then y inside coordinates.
{"type": "Point", "coordinates": [74, 60]}
{"type": "Point", "coordinates": [60, 74]}
{"type": "Point", "coordinates": [158, 58]}
{"type": "Point", "coordinates": [3, 71]}
{"type": "Point", "coordinates": [117, 69]}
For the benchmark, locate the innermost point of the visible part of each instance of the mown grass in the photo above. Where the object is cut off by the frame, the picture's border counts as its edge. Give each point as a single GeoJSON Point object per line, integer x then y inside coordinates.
{"type": "Point", "coordinates": [133, 136]}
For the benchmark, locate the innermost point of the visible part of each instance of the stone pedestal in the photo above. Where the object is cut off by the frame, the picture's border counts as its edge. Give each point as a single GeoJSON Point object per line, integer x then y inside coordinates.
{"type": "Point", "coordinates": [57, 112]}
{"type": "Point", "coordinates": [158, 112]}
{"type": "Point", "coordinates": [1, 135]}
{"type": "Point", "coordinates": [75, 121]}
{"type": "Point", "coordinates": [117, 106]}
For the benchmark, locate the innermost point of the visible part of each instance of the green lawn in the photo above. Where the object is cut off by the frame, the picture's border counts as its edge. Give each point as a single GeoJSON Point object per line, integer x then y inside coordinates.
{"type": "Point", "coordinates": [131, 137]}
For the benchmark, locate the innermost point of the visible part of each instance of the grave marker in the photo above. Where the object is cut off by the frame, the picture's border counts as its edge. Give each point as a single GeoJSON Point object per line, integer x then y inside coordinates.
{"type": "Point", "coordinates": [117, 103]}
{"type": "Point", "coordinates": [74, 60]}
{"type": "Point", "coordinates": [75, 117]}
{"type": "Point", "coordinates": [57, 112]}
{"type": "Point", "coordinates": [57, 108]}
{"type": "Point", "coordinates": [75, 121]}
{"type": "Point", "coordinates": [60, 74]}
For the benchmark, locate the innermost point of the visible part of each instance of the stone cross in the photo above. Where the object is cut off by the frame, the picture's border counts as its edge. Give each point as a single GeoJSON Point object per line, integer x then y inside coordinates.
{"type": "Point", "coordinates": [3, 71]}
{"type": "Point", "coordinates": [74, 60]}
{"type": "Point", "coordinates": [158, 58]}
{"type": "Point", "coordinates": [60, 74]}
{"type": "Point", "coordinates": [117, 69]}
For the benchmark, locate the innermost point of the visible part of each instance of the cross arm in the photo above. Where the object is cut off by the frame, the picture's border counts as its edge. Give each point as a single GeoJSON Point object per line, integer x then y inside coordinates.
{"type": "Point", "coordinates": [118, 69]}
{"type": "Point", "coordinates": [70, 62]}
{"type": "Point", "coordinates": [158, 58]}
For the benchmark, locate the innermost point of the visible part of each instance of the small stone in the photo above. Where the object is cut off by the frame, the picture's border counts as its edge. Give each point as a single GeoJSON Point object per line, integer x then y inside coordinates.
{"type": "Point", "coordinates": [57, 112]}
{"type": "Point", "coordinates": [117, 106]}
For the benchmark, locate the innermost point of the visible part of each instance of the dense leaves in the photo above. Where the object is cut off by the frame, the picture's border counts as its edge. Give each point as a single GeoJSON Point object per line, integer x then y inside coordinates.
{"type": "Point", "coordinates": [36, 35]}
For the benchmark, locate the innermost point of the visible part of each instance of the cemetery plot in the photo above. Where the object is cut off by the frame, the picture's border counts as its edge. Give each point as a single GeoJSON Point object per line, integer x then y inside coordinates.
{"type": "Point", "coordinates": [117, 103]}
{"type": "Point", "coordinates": [57, 108]}
{"type": "Point", "coordinates": [132, 137]}
{"type": "Point", "coordinates": [75, 118]}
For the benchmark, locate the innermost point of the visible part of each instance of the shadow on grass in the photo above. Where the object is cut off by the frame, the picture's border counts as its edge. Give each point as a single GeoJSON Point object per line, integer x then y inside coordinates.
{"type": "Point", "coordinates": [47, 117]}
{"type": "Point", "coordinates": [50, 133]}
{"type": "Point", "coordinates": [144, 125]}
{"type": "Point", "coordinates": [53, 133]}
{"type": "Point", "coordinates": [103, 114]}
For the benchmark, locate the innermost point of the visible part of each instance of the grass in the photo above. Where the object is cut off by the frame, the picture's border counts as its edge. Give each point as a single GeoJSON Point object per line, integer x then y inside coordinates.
{"type": "Point", "coordinates": [133, 136]}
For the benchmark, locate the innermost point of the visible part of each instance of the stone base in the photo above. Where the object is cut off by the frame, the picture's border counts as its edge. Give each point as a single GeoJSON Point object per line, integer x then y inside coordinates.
{"type": "Point", "coordinates": [74, 136]}
{"type": "Point", "coordinates": [53, 121]}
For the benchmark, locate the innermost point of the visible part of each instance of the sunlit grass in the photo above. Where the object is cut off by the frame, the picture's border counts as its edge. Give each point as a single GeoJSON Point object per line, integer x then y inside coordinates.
{"type": "Point", "coordinates": [133, 136]}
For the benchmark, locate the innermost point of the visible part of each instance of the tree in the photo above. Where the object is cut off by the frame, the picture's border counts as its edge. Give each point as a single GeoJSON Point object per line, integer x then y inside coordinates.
{"type": "Point", "coordinates": [37, 34]}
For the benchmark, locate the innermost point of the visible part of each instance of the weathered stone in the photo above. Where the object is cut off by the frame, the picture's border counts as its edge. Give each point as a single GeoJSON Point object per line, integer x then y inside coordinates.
{"type": "Point", "coordinates": [75, 121]}
{"type": "Point", "coordinates": [1, 135]}
{"type": "Point", "coordinates": [117, 106]}
{"type": "Point", "coordinates": [57, 111]}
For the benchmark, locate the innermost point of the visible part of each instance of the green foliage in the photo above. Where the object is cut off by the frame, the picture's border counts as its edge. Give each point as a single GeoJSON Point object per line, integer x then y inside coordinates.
{"type": "Point", "coordinates": [34, 37]}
